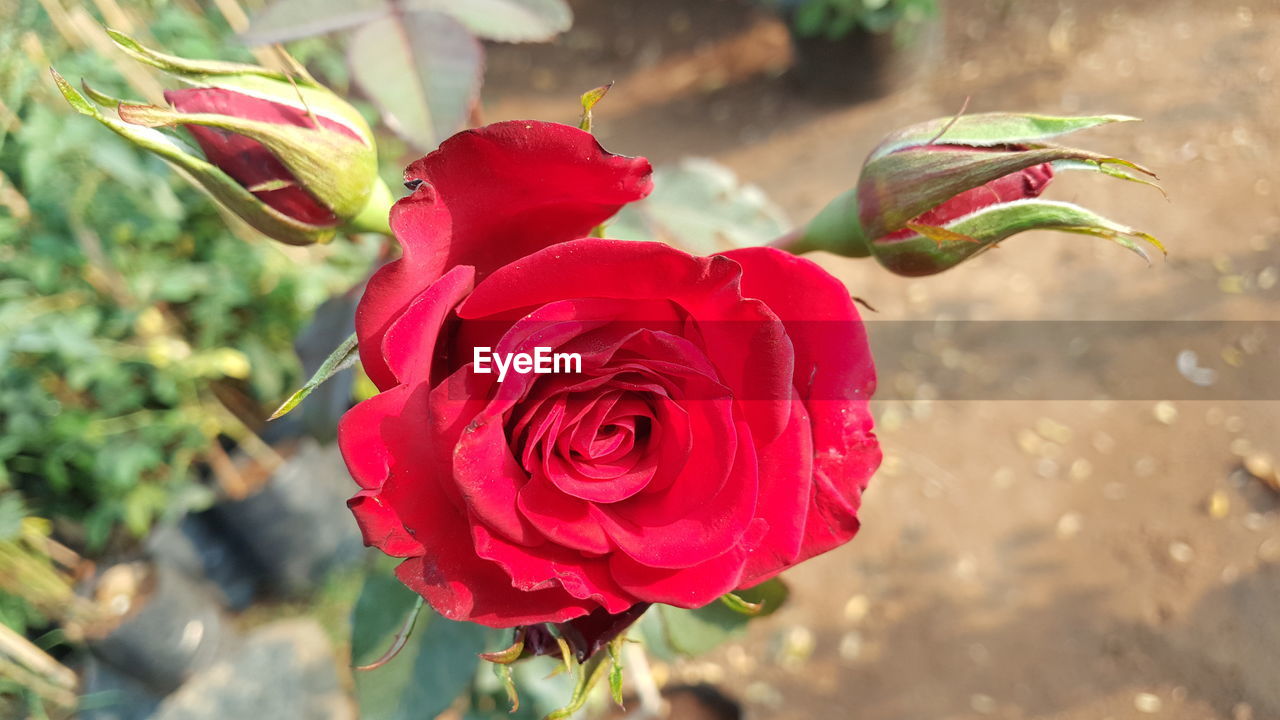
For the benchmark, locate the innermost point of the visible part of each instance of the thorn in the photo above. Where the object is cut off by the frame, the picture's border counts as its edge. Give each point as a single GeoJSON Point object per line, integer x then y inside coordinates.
{"type": "Point", "coordinates": [963, 107]}
{"type": "Point", "coordinates": [863, 303]}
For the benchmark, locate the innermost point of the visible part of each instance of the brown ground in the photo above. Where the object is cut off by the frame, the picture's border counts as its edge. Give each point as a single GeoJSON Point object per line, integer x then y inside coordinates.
{"type": "Point", "coordinates": [1018, 559]}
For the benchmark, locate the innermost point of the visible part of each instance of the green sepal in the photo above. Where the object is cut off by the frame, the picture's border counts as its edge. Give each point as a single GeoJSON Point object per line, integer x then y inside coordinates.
{"type": "Point", "coordinates": [503, 671]}
{"type": "Point", "coordinates": [340, 359]}
{"type": "Point", "coordinates": [198, 69]}
{"type": "Point", "coordinates": [589, 100]}
{"type": "Point", "coordinates": [615, 669]}
{"type": "Point", "coordinates": [990, 130]}
{"type": "Point", "coordinates": [738, 605]}
{"type": "Point", "coordinates": [338, 170]}
{"type": "Point", "coordinates": [297, 89]}
{"type": "Point", "coordinates": [587, 674]}
{"type": "Point", "coordinates": [218, 184]}
{"type": "Point", "coordinates": [933, 250]}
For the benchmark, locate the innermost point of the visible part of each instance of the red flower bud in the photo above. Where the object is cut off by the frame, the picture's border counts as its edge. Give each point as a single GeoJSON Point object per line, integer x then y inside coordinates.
{"type": "Point", "coordinates": [937, 193]}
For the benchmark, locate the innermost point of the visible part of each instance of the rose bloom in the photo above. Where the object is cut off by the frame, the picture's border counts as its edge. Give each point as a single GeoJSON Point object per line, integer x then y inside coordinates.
{"type": "Point", "coordinates": [718, 431]}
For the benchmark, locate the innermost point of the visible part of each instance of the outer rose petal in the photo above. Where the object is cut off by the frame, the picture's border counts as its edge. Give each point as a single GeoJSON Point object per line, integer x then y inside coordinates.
{"type": "Point", "coordinates": [516, 187]}
{"type": "Point", "coordinates": [384, 442]}
{"type": "Point", "coordinates": [835, 377]}
{"type": "Point", "coordinates": [487, 197]}
{"type": "Point", "coordinates": [397, 283]}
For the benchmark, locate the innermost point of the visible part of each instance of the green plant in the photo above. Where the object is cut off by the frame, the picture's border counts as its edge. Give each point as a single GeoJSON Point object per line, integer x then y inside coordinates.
{"type": "Point", "coordinates": [834, 19]}
{"type": "Point", "coordinates": [420, 62]}
{"type": "Point", "coordinates": [129, 306]}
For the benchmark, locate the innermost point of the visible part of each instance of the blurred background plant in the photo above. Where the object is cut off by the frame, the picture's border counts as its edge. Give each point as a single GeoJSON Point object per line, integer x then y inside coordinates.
{"type": "Point", "coordinates": [420, 61]}
{"type": "Point", "coordinates": [836, 19]}
{"type": "Point", "coordinates": [143, 331]}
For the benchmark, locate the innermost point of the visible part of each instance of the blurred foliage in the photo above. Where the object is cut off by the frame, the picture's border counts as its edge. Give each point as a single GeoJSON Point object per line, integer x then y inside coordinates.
{"type": "Point", "coordinates": [421, 63]}
{"type": "Point", "coordinates": [835, 19]}
{"type": "Point", "coordinates": [701, 207]}
{"type": "Point", "coordinates": [126, 298]}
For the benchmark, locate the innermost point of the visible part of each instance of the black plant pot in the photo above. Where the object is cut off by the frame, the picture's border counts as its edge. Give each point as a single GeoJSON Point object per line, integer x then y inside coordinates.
{"type": "Point", "coordinates": [862, 65]}
{"type": "Point", "coordinates": [164, 627]}
{"type": "Point", "coordinates": [296, 528]}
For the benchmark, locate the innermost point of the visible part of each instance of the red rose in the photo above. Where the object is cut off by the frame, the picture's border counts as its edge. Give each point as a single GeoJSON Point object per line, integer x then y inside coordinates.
{"type": "Point", "coordinates": [717, 433]}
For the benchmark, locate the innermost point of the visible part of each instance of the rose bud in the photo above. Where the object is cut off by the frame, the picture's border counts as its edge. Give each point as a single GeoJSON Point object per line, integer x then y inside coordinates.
{"type": "Point", "coordinates": [284, 153]}
{"type": "Point", "coordinates": [937, 193]}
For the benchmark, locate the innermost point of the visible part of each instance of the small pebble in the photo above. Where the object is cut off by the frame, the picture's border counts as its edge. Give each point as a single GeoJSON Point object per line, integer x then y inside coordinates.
{"type": "Point", "coordinates": [1255, 521]}
{"type": "Point", "coordinates": [855, 611]}
{"type": "Point", "coordinates": [1053, 430]}
{"type": "Point", "coordinates": [1081, 469]}
{"type": "Point", "coordinates": [1069, 525]}
{"type": "Point", "coordinates": [1147, 703]}
{"type": "Point", "coordinates": [851, 646]}
{"type": "Point", "coordinates": [1240, 447]}
{"type": "Point", "coordinates": [1046, 468]}
{"type": "Point", "coordinates": [982, 704]}
{"type": "Point", "coordinates": [1166, 412]}
{"type": "Point", "coordinates": [1269, 550]}
{"type": "Point", "coordinates": [1242, 711]}
{"type": "Point", "coordinates": [1219, 505]}
{"type": "Point", "coordinates": [1181, 552]}
{"type": "Point", "coordinates": [797, 646]}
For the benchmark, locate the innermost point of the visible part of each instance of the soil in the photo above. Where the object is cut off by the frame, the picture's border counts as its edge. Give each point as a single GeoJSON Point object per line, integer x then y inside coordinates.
{"type": "Point", "coordinates": [1073, 558]}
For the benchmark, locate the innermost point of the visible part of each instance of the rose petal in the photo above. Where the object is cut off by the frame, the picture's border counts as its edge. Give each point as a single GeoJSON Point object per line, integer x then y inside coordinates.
{"type": "Point", "coordinates": [835, 376]}
{"type": "Point", "coordinates": [690, 587]}
{"type": "Point", "coordinates": [397, 283]}
{"type": "Point", "coordinates": [381, 527]}
{"type": "Point", "coordinates": [683, 527]}
{"type": "Point", "coordinates": [409, 344]}
{"type": "Point", "coordinates": [552, 566]}
{"type": "Point", "coordinates": [707, 287]}
{"type": "Point", "coordinates": [517, 187]}
{"type": "Point", "coordinates": [786, 487]}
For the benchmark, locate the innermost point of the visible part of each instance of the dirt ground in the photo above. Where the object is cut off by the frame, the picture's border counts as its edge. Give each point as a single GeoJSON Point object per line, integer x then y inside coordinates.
{"type": "Point", "coordinates": [1070, 558]}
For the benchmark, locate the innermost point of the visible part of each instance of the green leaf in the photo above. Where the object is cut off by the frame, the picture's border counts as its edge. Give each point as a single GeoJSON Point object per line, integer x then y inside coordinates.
{"type": "Point", "coordinates": [671, 632]}
{"type": "Point", "coordinates": [286, 20]}
{"type": "Point", "coordinates": [422, 69]}
{"type": "Point", "coordinates": [11, 514]}
{"type": "Point", "coordinates": [435, 666]}
{"type": "Point", "coordinates": [701, 207]}
{"type": "Point", "coordinates": [344, 357]}
{"type": "Point", "coordinates": [505, 20]}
